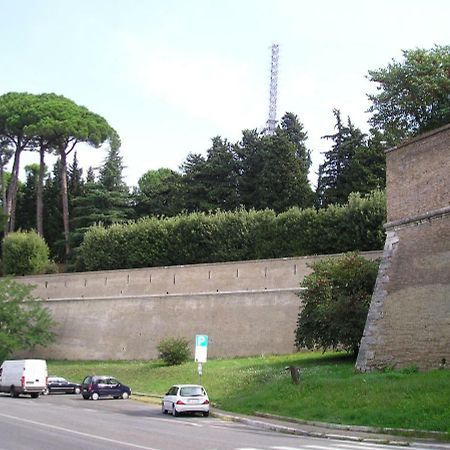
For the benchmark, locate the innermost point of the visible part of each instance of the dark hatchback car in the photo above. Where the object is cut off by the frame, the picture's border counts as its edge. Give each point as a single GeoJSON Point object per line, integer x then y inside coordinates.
{"type": "Point", "coordinates": [62, 386]}
{"type": "Point", "coordinates": [94, 387]}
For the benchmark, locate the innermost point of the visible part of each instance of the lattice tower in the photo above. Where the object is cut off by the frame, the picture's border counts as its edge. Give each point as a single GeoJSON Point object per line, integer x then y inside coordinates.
{"type": "Point", "coordinates": [272, 120]}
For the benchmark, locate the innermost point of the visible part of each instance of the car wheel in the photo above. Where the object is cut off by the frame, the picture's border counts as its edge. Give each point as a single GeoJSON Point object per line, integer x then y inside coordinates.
{"type": "Point", "coordinates": [163, 410]}
{"type": "Point", "coordinates": [95, 396]}
{"type": "Point", "coordinates": [13, 393]}
{"type": "Point", "coordinates": [77, 390]}
{"type": "Point", "coordinates": [205, 413]}
{"type": "Point", "coordinates": [46, 391]}
{"type": "Point", "coordinates": [125, 395]}
{"type": "Point", "coordinates": [86, 397]}
{"type": "Point", "coordinates": [175, 413]}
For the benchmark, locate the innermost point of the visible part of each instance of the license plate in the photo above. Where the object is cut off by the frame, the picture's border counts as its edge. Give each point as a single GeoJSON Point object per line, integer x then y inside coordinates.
{"type": "Point", "coordinates": [193, 401]}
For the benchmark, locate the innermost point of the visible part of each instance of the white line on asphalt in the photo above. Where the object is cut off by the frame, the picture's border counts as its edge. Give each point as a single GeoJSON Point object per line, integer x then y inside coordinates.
{"type": "Point", "coordinates": [287, 448]}
{"type": "Point", "coordinates": [366, 446]}
{"type": "Point", "coordinates": [79, 433]}
{"type": "Point", "coordinates": [182, 422]}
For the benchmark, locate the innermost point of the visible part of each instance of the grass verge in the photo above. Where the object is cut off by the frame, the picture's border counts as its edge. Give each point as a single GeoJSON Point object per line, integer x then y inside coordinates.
{"type": "Point", "coordinates": [330, 390]}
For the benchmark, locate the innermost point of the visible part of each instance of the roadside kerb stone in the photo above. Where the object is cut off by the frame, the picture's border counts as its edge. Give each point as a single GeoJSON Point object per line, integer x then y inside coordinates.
{"type": "Point", "coordinates": [364, 429]}
{"type": "Point", "coordinates": [282, 428]}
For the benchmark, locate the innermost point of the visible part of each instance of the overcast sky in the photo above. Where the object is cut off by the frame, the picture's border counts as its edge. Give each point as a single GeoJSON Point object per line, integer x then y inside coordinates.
{"type": "Point", "coordinates": [170, 75]}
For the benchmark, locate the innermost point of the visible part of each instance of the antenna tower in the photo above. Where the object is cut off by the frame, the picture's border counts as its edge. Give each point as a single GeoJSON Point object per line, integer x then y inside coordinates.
{"type": "Point", "coordinates": [272, 120]}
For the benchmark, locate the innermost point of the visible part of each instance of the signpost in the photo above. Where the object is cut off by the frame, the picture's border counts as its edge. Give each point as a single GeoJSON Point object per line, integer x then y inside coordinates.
{"type": "Point", "coordinates": [201, 351]}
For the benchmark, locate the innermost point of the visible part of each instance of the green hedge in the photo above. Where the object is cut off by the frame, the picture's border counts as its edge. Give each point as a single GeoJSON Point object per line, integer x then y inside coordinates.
{"type": "Point", "coordinates": [233, 236]}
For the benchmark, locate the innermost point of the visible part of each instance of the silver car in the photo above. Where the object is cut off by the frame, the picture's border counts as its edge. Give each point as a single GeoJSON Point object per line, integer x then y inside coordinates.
{"type": "Point", "coordinates": [185, 398]}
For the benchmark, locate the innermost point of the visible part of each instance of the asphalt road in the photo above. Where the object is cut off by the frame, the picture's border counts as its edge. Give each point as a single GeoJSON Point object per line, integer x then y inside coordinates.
{"type": "Point", "coordinates": [68, 422]}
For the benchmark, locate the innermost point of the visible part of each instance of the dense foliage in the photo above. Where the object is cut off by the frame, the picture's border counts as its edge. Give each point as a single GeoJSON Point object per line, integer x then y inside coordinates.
{"type": "Point", "coordinates": [335, 303]}
{"type": "Point", "coordinates": [241, 235]}
{"type": "Point", "coordinates": [24, 323]}
{"type": "Point", "coordinates": [25, 253]}
{"type": "Point", "coordinates": [413, 94]}
{"type": "Point", "coordinates": [174, 351]}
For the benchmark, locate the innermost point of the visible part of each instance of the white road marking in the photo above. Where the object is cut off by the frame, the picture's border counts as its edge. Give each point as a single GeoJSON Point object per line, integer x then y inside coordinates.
{"type": "Point", "coordinates": [182, 422]}
{"type": "Point", "coordinates": [285, 448]}
{"type": "Point", "coordinates": [79, 433]}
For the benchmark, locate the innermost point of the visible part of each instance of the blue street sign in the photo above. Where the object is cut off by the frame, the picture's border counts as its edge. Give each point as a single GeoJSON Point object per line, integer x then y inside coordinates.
{"type": "Point", "coordinates": [201, 340]}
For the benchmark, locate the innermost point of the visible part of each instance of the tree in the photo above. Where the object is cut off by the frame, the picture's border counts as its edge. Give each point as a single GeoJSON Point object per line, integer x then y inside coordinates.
{"type": "Point", "coordinates": [293, 129]}
{"type": "Point", "coordinates": [53, 231]}
{"type": "Point", "coordinates": [26, 199]}
{"type": "Point", "coordinates": [221, 176]}
{"type": "Point", "coordinates": [413, 94]}
{"type": "Point", "coordinates": [194, 183]}
{"type": "Point", "coordinates": [336, 178]}
{"type": "Point", "coordinates": [273, 170]}
{"type": "Point", "coordinates": [335, 303]}
{"type": "Point", "coordinates": [159, 193]}
{"type": "Point", "coordinates": [65, 125]}
{"type": "Point", "coordinates": [6, 153]}
{"type": "Point", "coordinates": [17, 113]}
{"type": "Point", "coordinates": [105, 201]}
{"type": "Point", "coordinates": [24, 323]}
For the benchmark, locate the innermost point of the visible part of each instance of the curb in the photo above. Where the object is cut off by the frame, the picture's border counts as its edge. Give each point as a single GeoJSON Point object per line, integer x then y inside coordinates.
{"type": "Point", "coordinates": [439, 435]}
{"type": "Point", "coordinates": [299, 432]}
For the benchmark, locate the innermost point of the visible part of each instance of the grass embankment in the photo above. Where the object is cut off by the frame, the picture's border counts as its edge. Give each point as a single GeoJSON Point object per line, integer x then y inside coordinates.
{"type": "Point", "coordinates": [330, 390]}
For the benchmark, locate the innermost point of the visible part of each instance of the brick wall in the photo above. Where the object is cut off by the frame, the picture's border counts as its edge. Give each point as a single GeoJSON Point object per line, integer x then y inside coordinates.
{"type": "Point", "coordinates": [409, 317]}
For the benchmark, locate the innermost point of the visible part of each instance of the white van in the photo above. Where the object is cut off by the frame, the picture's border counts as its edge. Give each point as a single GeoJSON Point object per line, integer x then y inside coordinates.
{"type": "Point", "coordinates": [23, 376]}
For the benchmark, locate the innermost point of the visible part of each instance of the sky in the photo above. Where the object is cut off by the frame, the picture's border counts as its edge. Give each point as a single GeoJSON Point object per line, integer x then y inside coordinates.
{"type": "Point", "coordinates": [170, 75]}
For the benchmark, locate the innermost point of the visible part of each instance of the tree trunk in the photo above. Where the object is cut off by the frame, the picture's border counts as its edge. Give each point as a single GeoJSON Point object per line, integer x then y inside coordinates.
{"type": "Point", "coordinates": [10, 207]}
{"type": "Point", "coordinates": [65, 200]}
{"type": "Point", "coordinates": [39, 194]}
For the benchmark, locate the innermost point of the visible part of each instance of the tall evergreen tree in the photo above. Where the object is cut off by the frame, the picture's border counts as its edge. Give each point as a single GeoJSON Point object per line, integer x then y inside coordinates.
{"type": "Point", "coordinates": [105, 201]}
{"type": "Point", "coordinates": [335, 177]}
{"type": "Point", "coordinates": [194, 183]}
{"type": "Point", "coordinates": [221, 176]}
{"type": "Point", "coordinates": [273, 170]}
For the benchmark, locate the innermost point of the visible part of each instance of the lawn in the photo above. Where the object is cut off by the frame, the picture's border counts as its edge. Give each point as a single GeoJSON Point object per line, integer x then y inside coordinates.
{"type": "Point", "coordinates": [330, 390]}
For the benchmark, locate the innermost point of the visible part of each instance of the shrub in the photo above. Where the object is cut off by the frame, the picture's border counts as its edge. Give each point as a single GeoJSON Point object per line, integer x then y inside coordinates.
{"type": "Point", "coordinates": [174, 351]}
{"type": "Point", "coordinates": [25, 253]}
{"type": "Point", "coordinates": [335, 303]}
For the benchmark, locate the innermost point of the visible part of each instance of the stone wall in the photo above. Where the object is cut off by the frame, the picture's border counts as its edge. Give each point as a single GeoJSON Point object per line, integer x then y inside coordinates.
{"type": "Point", "coordinates": [246, 308]}
{"type": "Point", "coordinates": [409, 318]}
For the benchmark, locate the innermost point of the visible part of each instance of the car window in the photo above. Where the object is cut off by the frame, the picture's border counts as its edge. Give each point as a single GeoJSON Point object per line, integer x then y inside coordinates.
{"type": "Point", "coordinates": [113, 381]}
{"type": "Point", "coordinates": [173, 390]}
{"type": "Point", "coordinates": [191, 391]}
{"type": "Point", "coordinates": [87, 380]}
